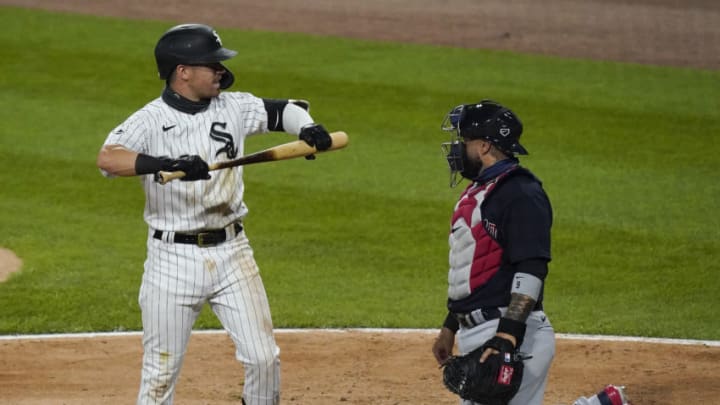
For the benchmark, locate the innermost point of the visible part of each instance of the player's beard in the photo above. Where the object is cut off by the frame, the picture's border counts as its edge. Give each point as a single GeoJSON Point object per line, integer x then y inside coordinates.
{"type": "Point", "coordinates": [470, 168]}
{"type": "Point", "coordinates": [459, 162]}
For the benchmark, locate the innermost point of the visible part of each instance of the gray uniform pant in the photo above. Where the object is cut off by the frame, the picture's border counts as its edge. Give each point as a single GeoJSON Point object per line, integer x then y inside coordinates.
{"type": "Point", "coordinates": [539, 342]}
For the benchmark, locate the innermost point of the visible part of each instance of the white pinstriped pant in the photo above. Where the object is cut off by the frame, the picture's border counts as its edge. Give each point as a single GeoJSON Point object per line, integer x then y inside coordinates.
{"type": "Point", "coordinates": [178, 280]}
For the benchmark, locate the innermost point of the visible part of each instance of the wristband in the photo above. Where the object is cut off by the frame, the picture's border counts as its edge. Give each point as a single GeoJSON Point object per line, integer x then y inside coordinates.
{"type": "Point", "coordinates": [146, 164]}
{"type": "Point", "coordinates": [514, 328]}
{"type": "Point", "coordinates": [451, 323]}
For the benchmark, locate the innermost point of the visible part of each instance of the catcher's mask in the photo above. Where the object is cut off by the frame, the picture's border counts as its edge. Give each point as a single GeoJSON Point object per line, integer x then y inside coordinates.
{"type": "Point", "coordinates": [487, 120]}
{"type": "Point", "coordinates": [192, 44]}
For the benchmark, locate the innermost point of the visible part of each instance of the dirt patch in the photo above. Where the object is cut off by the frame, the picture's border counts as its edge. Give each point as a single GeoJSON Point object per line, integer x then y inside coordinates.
{"type": "Point", "coordinates": [335, 367]}
{"type": "Point", "coordinates": [397, 368]}
{"type": "Point", "coordinates": [9, 263]}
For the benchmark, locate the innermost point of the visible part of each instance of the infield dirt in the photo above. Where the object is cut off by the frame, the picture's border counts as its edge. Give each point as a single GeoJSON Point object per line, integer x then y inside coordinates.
{"type": "Point", "coordinates": [396, 368]}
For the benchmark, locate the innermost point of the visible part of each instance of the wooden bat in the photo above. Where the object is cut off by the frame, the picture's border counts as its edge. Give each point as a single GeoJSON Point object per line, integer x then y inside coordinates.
{"type": "Point", "coordinates": [288, 150]}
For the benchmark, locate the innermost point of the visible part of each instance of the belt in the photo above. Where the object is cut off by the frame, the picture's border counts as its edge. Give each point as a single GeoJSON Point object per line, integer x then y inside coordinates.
{"type": "Point", "coordinates": [478, 316]}
{"type": "Point", "coordinates": [206, 238]}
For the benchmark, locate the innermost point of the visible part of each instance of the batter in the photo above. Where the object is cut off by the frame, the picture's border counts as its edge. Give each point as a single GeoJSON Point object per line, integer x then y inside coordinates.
{"type": "Point", "coordinates": [197, 249]}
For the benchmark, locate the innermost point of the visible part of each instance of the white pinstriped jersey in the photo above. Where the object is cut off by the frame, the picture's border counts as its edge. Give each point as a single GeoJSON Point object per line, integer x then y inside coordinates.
{"type": "Point", "coordinates": [215, 134]}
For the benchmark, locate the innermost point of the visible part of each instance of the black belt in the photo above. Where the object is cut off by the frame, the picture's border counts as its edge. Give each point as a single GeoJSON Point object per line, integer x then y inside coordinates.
{"type": "Point", "coordinates": [477, 317]}
{"type": "Point", "coordinates": [210, 237]}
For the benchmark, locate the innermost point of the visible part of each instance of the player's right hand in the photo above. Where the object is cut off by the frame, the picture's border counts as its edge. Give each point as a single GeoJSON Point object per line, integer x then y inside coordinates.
{"type": "Point", "coordinates": [443, 346]}
{"type": "Point", "coordinates": [194, 166]}
{"type": "Point", "coordinates": [315, 135]}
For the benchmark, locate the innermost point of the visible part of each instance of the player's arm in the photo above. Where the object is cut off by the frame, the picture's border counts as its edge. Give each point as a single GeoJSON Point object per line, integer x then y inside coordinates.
{"type": "Point", "coordinates": [287, 115]}
{"type": "Point", "coordinates": [525, 292]}
{"type": "Point", "coordinates": [445, 340]}
{"type": "Point", "coordinates": [293, 117]}
{"type": "Point", "coordinates": [117, 160]}
{"type": "Point", "coordinates": [526, 227]}
{"type": "Point", "coordinates": [526, 288]}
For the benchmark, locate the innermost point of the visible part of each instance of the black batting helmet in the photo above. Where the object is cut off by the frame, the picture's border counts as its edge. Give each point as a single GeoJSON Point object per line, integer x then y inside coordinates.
{"type": "Point", "coordinates": [191, 44]}
{"type": "Point", "coordinates": [490, 121]}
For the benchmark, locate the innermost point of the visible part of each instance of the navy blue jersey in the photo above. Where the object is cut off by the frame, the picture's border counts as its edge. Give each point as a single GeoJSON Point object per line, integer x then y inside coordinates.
{"type": "Point", "coordinates": [507, 222]}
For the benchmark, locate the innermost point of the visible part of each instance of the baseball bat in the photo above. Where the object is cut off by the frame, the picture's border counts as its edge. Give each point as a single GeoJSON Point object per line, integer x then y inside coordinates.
{"type": "Point", "coordinates": [284, 151]}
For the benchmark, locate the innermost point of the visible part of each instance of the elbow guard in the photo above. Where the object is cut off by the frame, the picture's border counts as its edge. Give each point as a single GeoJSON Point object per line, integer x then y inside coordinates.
{"type": "Point", "coordinates": [287, 115]}
{"type": "Point", "coordinates": [304, 104]}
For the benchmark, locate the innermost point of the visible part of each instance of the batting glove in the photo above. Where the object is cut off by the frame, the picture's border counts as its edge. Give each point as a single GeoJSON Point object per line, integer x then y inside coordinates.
{"type": "Point", "coordinates": [315, 135]}
{"type": "Point", "coordinates": [194, 166]}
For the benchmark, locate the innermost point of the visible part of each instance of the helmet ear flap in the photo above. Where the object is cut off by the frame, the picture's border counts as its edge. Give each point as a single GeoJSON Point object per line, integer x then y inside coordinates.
{"type": "Point", "coordinates": [227, 79]}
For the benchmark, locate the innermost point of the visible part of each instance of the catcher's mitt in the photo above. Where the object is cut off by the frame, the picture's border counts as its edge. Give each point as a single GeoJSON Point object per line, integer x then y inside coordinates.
{"type": "Point", "coordinates": [493, 382]}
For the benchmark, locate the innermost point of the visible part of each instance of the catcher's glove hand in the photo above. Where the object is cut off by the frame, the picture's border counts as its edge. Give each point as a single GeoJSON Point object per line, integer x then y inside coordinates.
{"type": "Point", "coordinates": [493, 382]}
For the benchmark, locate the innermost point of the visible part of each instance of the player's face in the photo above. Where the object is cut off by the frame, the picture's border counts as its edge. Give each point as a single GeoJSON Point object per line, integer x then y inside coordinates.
{"type": "Point", "coordinates": [475, 149]}
{"type": "Point", "coordinates": [204, 80]}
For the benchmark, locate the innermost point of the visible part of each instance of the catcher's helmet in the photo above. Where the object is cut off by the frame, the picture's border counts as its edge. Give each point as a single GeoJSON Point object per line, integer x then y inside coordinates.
{"type": "Point", "coordinates": [490, 121]}
{"type": "Point", "coordinates": [191, 44]}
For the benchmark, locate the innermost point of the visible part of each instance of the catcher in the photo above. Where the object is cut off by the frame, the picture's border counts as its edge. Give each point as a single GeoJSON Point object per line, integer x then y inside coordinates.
{"type": "Point", "coordinates": [499, 254]}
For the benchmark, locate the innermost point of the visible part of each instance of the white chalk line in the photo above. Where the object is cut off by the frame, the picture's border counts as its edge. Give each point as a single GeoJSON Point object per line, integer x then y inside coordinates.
{"type": "Point", "coordinates": [562, 336]}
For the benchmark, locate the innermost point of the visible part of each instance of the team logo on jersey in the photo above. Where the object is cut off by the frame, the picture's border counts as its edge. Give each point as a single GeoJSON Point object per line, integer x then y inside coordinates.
{"type": "Point", "coordinates": [490, 228]}
{"type": "Point", "coordinates": [223, 137]}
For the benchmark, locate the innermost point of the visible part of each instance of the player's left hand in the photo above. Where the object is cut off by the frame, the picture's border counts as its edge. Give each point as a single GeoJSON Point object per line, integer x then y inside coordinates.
{"type": "Point", "coordinates": [194, 166]}
{"type": "Point", "coordinates": [500, 343]}
{"type": "Point", "coordinates": [315, 135]}
{"type": "Point", "coordinates": [494, 381]}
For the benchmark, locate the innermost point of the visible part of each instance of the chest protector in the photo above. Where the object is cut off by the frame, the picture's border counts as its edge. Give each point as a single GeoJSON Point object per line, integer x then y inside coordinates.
{"type": "Point", "coordinates": [475, 256]}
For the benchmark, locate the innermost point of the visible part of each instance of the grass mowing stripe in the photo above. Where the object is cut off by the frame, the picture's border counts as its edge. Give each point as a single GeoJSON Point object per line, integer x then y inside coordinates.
{"type": "Point", "coordinates": [625, 152]}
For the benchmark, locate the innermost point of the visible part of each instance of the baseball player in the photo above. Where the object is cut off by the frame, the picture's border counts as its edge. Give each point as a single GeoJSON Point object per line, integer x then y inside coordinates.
{"type": "Point", "coordinates": [197, 249]}
{"type": "Point", "coordinates": [499, 248]}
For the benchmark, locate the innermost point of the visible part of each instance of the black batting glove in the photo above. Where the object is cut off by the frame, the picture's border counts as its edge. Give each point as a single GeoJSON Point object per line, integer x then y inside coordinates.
{"type": "Point", "coordinates": [315, 135]}
{"type": "Point", "coordinates": [194, 166]}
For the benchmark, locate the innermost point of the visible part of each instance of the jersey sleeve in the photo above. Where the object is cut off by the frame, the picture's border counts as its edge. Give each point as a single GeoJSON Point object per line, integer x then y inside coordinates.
{"type": "Point", "coordinates": [249, 110]}
{"type": "Point", "coordinates": [132, 133]}
{"type": "Point", "coordinates": [527, 225]}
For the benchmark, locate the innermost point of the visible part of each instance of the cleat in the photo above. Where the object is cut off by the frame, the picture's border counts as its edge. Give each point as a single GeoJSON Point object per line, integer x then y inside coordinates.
{"type": "Point", "coordinates": [616, 395]}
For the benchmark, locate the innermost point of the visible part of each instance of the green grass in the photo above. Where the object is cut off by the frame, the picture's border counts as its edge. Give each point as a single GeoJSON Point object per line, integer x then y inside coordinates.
{"type": "Point", "coordinates": [357, 238]}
